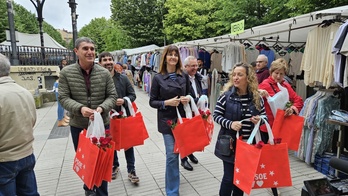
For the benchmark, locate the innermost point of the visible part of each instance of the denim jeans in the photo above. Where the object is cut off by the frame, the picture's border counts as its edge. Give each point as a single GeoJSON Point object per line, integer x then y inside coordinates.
{"type": "Point", "coordinates": [75, 133]}
{"type": "Point", "coordinates": [60, 109]}
{"type": "Point", "coordinates": [18, 177]}
{"type": "Point", "coordinates": [227, 185]}
{"type": "Point", "coordinates": [129, 158]}
{"type": "Point", "coordinates": [172, 176]}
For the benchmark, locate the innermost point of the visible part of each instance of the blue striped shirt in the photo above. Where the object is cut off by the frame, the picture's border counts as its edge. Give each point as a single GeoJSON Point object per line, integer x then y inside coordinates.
{"type": "Point", "coordinates": [247, 126]}
{"type": "Point", "coordinates": [172, 76]}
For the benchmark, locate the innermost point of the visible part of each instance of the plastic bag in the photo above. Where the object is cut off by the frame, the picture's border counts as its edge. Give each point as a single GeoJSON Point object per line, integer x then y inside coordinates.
{"type": "Point", "coordinates": [279, 100]}
{"type": "Point", "coordinates": [96, 127]}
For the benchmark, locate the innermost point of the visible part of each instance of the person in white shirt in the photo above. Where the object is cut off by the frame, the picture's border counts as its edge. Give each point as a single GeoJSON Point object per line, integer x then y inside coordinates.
{"type": "Point", "coordinates": [191, 67]}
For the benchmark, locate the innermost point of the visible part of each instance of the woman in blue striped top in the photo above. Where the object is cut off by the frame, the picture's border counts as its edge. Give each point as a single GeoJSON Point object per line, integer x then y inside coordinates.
{"type": "Point", "coordinates": [241, 100]}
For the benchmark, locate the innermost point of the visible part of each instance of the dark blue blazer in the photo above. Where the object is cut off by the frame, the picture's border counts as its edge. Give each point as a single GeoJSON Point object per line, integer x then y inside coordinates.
{"type": "Point", "coordinates": [163, 88]}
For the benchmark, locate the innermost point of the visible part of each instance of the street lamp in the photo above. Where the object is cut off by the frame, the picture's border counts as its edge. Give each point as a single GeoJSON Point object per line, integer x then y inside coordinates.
{"type": "Point", "coordinates": [14, 57]}
{"type": "Point", "coordinates": [74, 16]}
{"type": "Point", "coordinates": [39, 8]}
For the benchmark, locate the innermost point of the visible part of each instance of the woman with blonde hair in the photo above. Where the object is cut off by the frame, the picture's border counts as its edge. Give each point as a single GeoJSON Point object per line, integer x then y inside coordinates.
{"type": "Point", "coordinates": [240, 100]}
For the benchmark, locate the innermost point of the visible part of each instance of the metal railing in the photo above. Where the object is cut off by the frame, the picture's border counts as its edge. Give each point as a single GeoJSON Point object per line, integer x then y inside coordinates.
{"type": "Point", "coordinates": [31, 55]}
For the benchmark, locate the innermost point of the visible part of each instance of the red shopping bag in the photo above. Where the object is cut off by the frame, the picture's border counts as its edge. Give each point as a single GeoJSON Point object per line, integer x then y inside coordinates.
{"type": "Point", "coordinates": [109, 162]}
{"type": "Point", "coordinates": [98, 175]}
{"type": "Point", "coordinates": [128, 132]}
{"type": "Point", "coordinates": [85, 160]}
{"type": "Point", "coordinates": [246, 163]}
{"type": "Point", "coordinates": [273, 168]}
{"type": "Point", "coordinates": [202, 106]}
{"type": "Point", "coordinates": [289, 128]}
{"type": "Point", "coordinates": [104, 165]}
{"type": "Point", "coordinates": [270, 168]}
{"type": "Point", "coordinates": [209, 126]}
{"type": "Point", "coordinates": [190, 136]}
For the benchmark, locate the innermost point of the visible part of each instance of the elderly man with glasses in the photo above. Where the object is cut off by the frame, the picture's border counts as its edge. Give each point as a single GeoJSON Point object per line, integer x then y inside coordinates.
{"type": "Point", "coordinates": [262, 71]}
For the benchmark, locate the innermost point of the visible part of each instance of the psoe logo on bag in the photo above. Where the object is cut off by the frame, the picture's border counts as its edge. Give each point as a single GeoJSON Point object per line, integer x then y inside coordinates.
{"type": "Point", "coordinates": [77, 164]}
{"type": "Point", "coordinates": [259, 178]}
{"type": "Point", "coordinates": [262, 178]}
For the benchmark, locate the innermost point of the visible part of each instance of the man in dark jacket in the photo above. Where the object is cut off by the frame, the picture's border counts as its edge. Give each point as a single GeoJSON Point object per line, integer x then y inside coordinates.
{"type": "Point", "coordinates": [85, 87]}
{"type": "Point", "coordinates": [262, 71]}
{"type": "Point", "coordinates": [124, 89]}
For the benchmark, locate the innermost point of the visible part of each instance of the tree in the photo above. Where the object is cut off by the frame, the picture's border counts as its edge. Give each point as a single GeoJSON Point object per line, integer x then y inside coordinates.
{"type": "Point", "coordinates": [3, 20]}
{"type": "Point", "coordinates": [306, 6]}
{"type": "Point", "coordinates": [25, 22]}
{"type": "Point", "coordinates": [50, 30]}
{"type": "Point", "coordinates": [141, 20]}
{"type": "Point", "coordinates": [252, 11]}
{"type": "Point", "coordinates": [186, 19]}
{"type": "Point", "coordinates": [106, 34]}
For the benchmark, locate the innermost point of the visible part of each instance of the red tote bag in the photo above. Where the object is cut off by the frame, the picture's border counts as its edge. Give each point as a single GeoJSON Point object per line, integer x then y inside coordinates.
{"type": "Point", "coordinates": [109, 163]}
{"type": "Point", "coordinates": [273, 169]}
{"type": "Point", "coordinates": [98, 175]}
{"type": "Point", "coordinates": [253, 170]}
{"type": "Point", "coordinates": [246, 163]}
{"type": "Point", "coordinates": [289, 128]}
{"type": "Point", "coordinates": [85, 160]}
{"type": "Point", "coordinates": [202, 105]}
{"type": "Point", "coordinates": [190, 134]}
{"type": "Point", "coordinates": [129, 131]}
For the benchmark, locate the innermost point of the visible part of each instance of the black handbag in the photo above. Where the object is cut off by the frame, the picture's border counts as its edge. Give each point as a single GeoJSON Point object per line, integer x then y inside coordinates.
{"type": "Point", "coordinates": [224, 143]}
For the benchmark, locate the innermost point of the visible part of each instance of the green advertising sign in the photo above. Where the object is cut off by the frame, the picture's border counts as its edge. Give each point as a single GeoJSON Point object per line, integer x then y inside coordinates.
{"type": "Point", "coordinates": [237, 27]}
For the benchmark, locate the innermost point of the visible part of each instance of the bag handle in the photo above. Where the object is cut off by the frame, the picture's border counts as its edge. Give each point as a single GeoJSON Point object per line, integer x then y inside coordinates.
{"type": "Point", "coordinates": [193, 105]}
{"type": "Point", "coordinates": [115, 113]}
{"type": "Point", "coordinates": [130, 106]}
{"type": "Point", "coordinates": [188, 110]}
{"type": "Point", "coordinates": [179, 116]}
{"type": "Point", "coordinates": [203, 103]}
{"type": "Point", "coordinates": [257, 131]}
{"type": "Point", "coordinates": [257, 135]}
{"type": "Point", "coordinates": [96, 127]}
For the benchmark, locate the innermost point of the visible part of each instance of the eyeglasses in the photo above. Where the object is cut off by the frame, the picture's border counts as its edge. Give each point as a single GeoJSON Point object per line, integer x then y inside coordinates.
{"type": "Point", "coordinates": [193, 66]}
{"type": "Point", "coordinates": [260, 61]}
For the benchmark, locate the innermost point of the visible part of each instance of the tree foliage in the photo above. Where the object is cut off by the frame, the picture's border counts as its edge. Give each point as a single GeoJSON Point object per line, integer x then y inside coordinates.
{"type": "Point", "coordinates": [25, 22]}
{"type": "Point", "coordinates": [141, 20]}
{"type": "Point", "coordinates": [136, 23]}
{"type": "Point", "coordinates": [106, 34]}
{"type": "Point", "coordinates": [298, 7]}
{"type": "Point", "coordinates": [187, 20]}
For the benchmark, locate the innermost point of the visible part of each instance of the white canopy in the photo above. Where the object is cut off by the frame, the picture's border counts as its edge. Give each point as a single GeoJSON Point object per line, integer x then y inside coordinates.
{"type": "Point", "coordinates": [289, 30]}
{"type": "Point", "coordinates": [133, 51]}
{"type": "Point", "coordinates": [25, 39]}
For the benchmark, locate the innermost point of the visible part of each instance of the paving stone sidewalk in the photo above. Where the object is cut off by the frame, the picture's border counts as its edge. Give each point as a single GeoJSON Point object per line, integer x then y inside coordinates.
{"type": "Point", "coordinates": [54, 151]}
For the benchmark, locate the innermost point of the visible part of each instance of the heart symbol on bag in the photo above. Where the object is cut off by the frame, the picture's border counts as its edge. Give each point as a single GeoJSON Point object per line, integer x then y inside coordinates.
{"type": "Point", "coordinates": [259, 183]}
